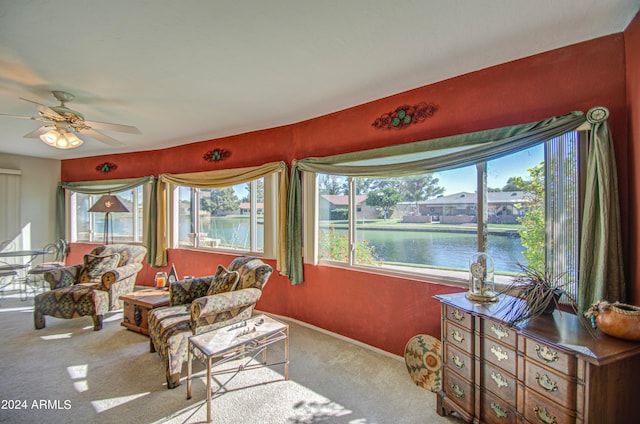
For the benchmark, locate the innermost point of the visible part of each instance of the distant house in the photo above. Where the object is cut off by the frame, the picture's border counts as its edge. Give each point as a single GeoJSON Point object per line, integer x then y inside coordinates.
{"type": "Point", "coordinates": [245, 207]}
{"type": "Point", "coordinates": [335, 206]}
{"type": "Point", "coordinates": [502, 207]}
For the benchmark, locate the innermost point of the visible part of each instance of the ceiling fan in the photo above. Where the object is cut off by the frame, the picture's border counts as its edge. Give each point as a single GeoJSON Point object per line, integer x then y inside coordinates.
{"type": "Point", "coordinates": [62, 125]}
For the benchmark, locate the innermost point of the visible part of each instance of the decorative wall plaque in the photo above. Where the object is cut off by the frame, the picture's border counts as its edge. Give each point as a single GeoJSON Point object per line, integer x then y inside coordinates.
{"type": "Point", "coordinates": [216, 155]}
{"type": "Point", "coordinates": [106, 167]}
{"type": "Point", "coordinates": [404, 116]}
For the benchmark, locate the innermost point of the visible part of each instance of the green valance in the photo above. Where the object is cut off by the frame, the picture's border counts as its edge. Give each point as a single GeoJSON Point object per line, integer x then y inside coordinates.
{"type": "Point", "coordinates": [106, 187]}
{"type": "Point", "coordinates": [466, 149]}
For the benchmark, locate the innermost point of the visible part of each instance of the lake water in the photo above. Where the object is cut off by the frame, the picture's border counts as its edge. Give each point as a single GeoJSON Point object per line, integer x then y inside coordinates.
{"type": "Point", "coordinates": [451, 250]}
{"type": "Point", "coordinates": [441, 249]}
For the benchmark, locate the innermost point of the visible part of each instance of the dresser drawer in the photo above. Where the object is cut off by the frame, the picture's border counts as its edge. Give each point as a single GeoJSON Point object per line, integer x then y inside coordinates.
{"type": "Point", "coordinates": [550, 357]}
{"type": "Point", "coordinates": [459, 390]}
{"type": "Point", "coordinates": [540, 411]}
{"type": "Point", "coordinates": [550, 385]}
{"type": "Point", "coordinates": [458, 336]}
{"type": "Point", "coordinates": [495, 410]}
{"type": "Point", "coordinates": [500, 332]}
{"type": "Point", "coordinates": [459, 361]}
{"type": "Point", "coordinates": [460, 317]}
{"type": "Point", "coordinates": [498, 354]}
{"type": "Point", "coordinates": [499, 382]}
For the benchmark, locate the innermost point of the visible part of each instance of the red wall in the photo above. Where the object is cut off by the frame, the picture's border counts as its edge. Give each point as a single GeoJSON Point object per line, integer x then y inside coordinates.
{"type": "Point", "coordinates": [632, 48]}
{"type": "Point", "coordinates": [383, 311]}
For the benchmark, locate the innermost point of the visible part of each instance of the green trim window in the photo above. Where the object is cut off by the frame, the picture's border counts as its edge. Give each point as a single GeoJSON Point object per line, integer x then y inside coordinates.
{"type": "Point", "coordinates": [522, 208]}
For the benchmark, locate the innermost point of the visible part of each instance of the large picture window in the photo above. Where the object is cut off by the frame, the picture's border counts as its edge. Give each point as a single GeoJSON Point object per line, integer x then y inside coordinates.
{"type": "Point", "coordinates": [228, 218]}
{"type": "Point", "coordinates": [514, 208]}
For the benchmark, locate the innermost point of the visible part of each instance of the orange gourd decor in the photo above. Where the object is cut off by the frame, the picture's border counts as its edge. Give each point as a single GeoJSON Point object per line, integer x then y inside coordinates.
{"type": "Point", "coordinates": [616, 319]}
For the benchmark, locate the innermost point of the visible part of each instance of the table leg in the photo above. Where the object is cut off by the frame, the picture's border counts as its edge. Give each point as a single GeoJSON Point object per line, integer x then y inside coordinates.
{"type": "Point", "coordinates": [286, 353]}
{"type": "Point", "coordinates": [189, 370]}
{"type": "Point", "coordinates": [209, 389]}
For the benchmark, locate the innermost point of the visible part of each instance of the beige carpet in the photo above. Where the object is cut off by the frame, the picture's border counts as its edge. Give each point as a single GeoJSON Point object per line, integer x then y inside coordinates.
{"type": "Point", "coordinates": [67, 373]}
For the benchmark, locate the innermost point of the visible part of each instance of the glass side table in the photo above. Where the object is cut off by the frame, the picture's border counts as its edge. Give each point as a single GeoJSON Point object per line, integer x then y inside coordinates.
{"type": "Point", "coordinates": [247, 338]}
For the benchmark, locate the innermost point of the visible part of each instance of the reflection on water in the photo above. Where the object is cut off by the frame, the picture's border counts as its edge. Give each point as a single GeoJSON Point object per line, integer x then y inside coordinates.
{"type": "Point", "coordinates": [231, 232]}
{"type": "Point", "coordinates": [451, 250]}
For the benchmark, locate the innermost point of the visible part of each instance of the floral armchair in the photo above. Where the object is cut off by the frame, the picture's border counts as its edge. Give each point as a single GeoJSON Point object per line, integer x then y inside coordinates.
{"type": "Point", "coordinates": [112, 268]}
{"type": "Point", "coordinates": [203, 304]}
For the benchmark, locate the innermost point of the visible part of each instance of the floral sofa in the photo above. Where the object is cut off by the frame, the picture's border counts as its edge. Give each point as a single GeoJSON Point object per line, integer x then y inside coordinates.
{"type": "Point", "coordinates": [91, 288]}
{"type": "Point", "coordinates": [203, 304]}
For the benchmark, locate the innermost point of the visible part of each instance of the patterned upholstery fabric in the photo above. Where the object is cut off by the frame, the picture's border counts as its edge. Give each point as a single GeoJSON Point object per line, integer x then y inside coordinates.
{"type": "Point", "coordinates": [253, 272]}
{"type": "Point", "coordinates": [94, 266]}
{"type": "Point", "coordinates": [224, 281]}
{"type": "Point", "coordinates": [115, 281]}
{"type": "Point", "coordinates": [71, 302]}
{"type": "Point", "coordinates": [193, 312]}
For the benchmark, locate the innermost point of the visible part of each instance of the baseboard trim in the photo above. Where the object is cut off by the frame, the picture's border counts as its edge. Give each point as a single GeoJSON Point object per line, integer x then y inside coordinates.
{"type": "Point", "coordinates": [336, 335]}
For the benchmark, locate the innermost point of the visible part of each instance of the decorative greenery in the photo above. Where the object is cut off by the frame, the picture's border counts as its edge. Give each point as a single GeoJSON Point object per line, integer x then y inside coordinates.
{"type": "Point", "coordinates": [216, 155]}
{"type": "Point", "coordinates": [106, 167]}
{"type": "Point", "coordinates": [534, 293]}
{"type": "Point", "coordinates": [335, 247]}
{"type": "Point", "coordinates": [405, 115]}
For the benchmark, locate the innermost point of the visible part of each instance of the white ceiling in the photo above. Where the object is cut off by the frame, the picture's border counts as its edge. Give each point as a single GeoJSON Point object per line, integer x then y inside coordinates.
{"type": "Point", "coordinates": [192, 70]}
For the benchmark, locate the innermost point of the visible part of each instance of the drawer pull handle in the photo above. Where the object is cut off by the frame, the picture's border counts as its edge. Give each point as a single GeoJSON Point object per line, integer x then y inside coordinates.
{"type": "Point", "coordinates": [546, 383]}
{"type": "Point", "coordinates": [499, 331]}
{"type": "Point", "coordinates": [498, 410]}
{"type": "Point", "coordinates": [543, 416]}
{"type": "Point", "coordinates": [459, 363]}
{"type": "Point", "coordinates": [457, 391]}
{"type": "Point", "coordinates": [457, 315]}
{"type": "Point", "coordinates": [499, 379]}
{"type": "Point", "coordinates": [457, 336]}
{"type": "Point", "coordinates": [500, 354]}
{"type": "Point", "coordinates": [546, 354]}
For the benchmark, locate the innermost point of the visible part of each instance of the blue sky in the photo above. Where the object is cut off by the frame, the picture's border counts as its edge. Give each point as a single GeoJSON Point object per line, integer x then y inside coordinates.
{"type": "Point", "coordinates": [499, 171]}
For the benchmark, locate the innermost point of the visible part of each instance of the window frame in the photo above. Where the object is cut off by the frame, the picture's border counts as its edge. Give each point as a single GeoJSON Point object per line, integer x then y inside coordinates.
{"type": "Point", "coordinates": [270, 214]}
{"type": "Point", "coordinates": [458, 278]}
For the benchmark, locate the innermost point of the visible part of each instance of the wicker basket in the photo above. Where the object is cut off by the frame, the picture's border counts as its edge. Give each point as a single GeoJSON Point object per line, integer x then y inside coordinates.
{"type": "Point", "coordinates": [616, 319]}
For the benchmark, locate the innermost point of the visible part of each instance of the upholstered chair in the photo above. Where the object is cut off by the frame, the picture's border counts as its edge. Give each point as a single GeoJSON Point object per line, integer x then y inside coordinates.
{"type": "Point", "coordinates": [203, 304]}
{"type": "Point", "coordinates": [112, 268]}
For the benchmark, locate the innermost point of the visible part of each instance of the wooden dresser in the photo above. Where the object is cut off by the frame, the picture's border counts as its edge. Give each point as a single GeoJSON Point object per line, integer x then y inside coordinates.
{"type": "Point", "coordinates": [547, 370]}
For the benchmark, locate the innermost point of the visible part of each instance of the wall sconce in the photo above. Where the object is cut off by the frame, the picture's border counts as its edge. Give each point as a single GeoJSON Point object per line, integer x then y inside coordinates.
{"type": "Point", "coordinates": [107, 204]}
{"type": "Point", "coordinates": [61, 139]}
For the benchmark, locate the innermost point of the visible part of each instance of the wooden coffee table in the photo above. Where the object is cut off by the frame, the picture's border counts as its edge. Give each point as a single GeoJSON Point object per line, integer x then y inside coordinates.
{"type": "Point", "coordinates": [137, 306]}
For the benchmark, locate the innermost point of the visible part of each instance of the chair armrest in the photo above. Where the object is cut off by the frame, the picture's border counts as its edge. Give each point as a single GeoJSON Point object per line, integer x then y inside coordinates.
{"type": "Point", "coordinates": [117, 274]}
{"type": "Point", "coordinates": [186, 291]}
{"type": "Point", "coordinates": [208, 310]}
{"type": "Point", "coordinates": [63, 277]}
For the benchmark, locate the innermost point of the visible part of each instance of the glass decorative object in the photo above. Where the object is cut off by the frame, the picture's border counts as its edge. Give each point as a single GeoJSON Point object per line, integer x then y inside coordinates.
{"type": "Point", "coordinates": [481, 283]}
{"type": "Point", "coordinates": [161, 279]}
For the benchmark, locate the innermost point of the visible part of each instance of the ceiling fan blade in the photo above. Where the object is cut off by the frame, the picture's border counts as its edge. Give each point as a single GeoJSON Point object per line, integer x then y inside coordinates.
{"type": "Point", "coordinates": [101, 137]}
{"type": "Point", "coordinates": [45, 110]}
{"type": "Point", "coordinates": [38, 132]}
{"type": "Point", "coordinates": [20, 116]}
{"type": "Point", "coordinates": [113, 127]}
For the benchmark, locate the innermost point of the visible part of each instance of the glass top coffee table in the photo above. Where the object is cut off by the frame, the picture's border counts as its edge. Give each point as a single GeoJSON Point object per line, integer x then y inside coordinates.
{"type": "Point", "coordinates": [247, 339]}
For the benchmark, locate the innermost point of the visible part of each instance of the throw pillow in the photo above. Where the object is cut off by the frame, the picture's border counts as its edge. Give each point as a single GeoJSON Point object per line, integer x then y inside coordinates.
{"type": "Point", "coordinates": [224, 281]}
{"type": "Point", "coordinates": [94, 266]}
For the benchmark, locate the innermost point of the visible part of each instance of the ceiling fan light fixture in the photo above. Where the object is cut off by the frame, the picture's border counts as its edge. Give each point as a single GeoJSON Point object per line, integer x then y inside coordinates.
{"type": "Point", "coordinates": [50, 137]}
{"type": "Point", "coordinates": [61, 139]}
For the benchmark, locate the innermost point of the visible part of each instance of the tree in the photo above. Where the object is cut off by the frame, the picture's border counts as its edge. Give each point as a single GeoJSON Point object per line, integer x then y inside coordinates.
{"type": "Point", "coordinates": [532, 233]}
{"type": "Point", "coordinates": [220, 200]}
{"type": "Point", "coordinates": [332, 184]}
{"type": "Point", "coordinates": [415, 188]}
{"type": "Point", "coordinates": [385, 199]}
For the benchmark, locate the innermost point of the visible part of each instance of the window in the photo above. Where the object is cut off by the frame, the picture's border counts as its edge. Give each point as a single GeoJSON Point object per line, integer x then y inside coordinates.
{"type": "Point", "coordinates": [527, 213]}
{"type": "Point", "coordinates": [123, 226]}
{"type": "Point", "coordinates": [229, 218]}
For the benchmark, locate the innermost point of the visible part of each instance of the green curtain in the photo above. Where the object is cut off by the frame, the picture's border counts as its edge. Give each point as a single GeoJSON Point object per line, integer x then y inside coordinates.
{"type": "Point", "coordinates": [106, 187]}
{"type": "Point", "coordinates": [601, 268]}
{"type": "Point", "coordinates": [443, 153]}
